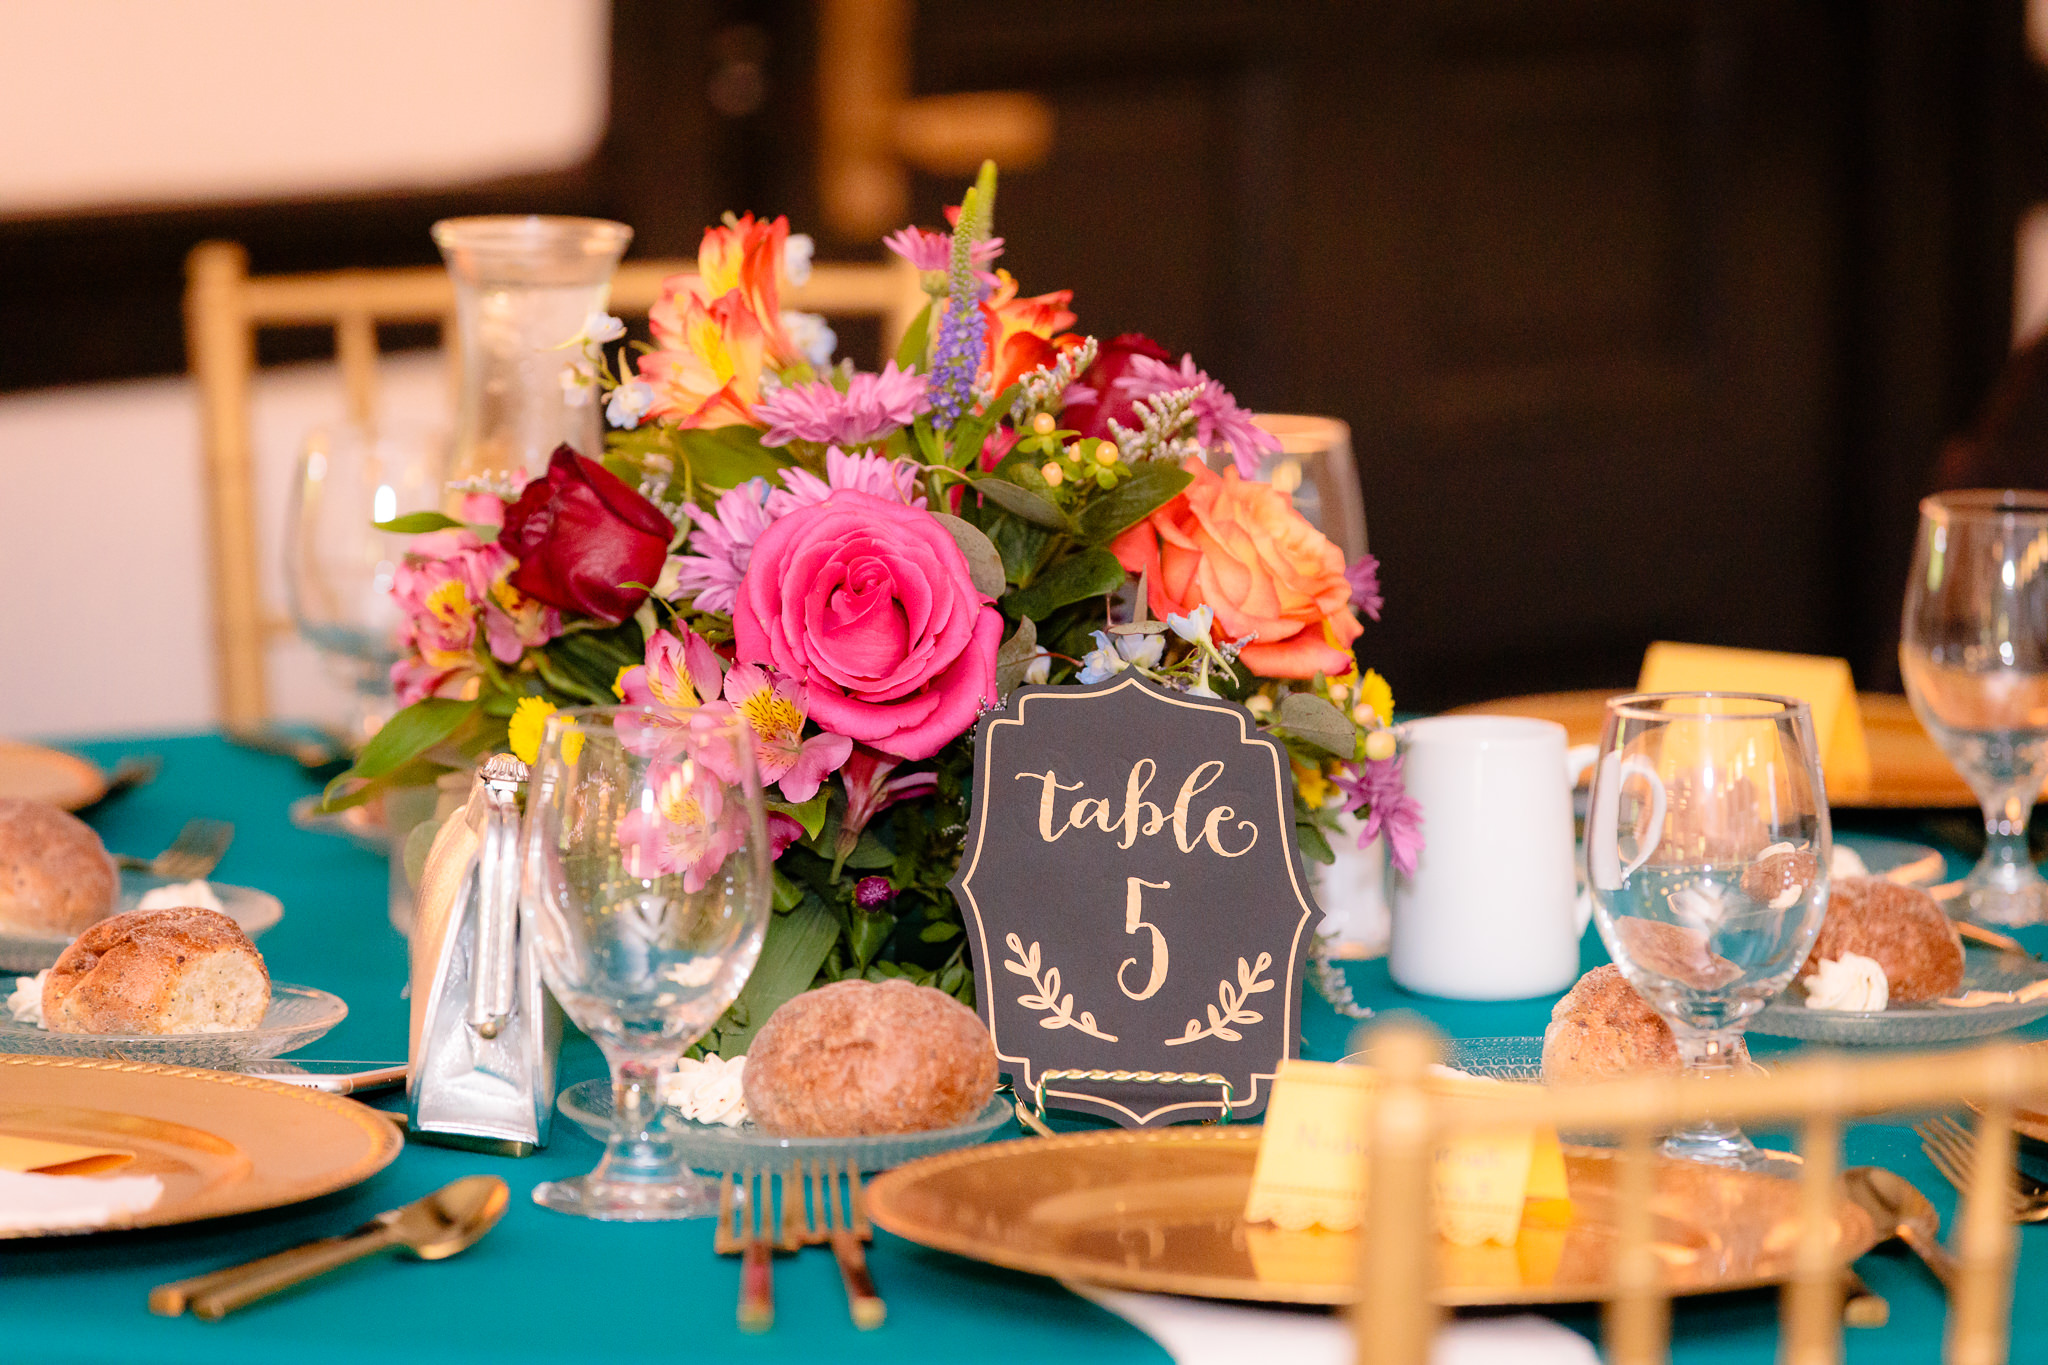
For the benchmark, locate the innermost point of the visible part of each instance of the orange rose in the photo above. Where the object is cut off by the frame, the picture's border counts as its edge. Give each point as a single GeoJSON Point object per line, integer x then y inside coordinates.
{"type": "Point", "coordinates": [1242, 549]}
{"type": "Point", "coordinates": [1021, 331]}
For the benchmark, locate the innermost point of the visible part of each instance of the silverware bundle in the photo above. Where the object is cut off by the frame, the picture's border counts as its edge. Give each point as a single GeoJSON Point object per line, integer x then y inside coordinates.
{"type": "Point", "coordinates": [823, 1203]}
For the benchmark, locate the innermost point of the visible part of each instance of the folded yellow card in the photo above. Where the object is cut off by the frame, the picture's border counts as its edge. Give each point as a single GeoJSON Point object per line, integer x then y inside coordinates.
{"type": "Point", "coordinates": [1824, 684]}
{"type": "Point", "coordinates": [26, 1155]}
{"type": "Point", "coordinates": [1311, 1166]}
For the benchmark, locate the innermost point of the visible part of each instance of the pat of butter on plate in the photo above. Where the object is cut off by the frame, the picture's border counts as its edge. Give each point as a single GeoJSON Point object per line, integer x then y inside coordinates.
{"type": "Point", "coordinates": [1311, 1169]}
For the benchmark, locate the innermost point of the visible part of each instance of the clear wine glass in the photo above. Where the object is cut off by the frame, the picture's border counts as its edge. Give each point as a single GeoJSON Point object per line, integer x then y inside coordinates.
{"type": "Point", "coordinates": [338, 566]}
{"type": "Point", "coordinates": [1973, 646]}
{"type": "Point", "coordinates": [647, 884]}
{"type": "Point", "coordinates": [1707, 847]}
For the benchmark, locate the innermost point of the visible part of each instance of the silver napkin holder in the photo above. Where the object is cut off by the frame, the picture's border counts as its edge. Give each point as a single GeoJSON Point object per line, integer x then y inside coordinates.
{"type": "Point", "coordinates": [485, 1032]}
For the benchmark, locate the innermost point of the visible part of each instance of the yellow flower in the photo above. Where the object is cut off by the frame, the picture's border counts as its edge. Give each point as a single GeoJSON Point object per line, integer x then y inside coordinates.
{"type": "Point", "coordinates": [1374, 692]}
{"type": "Point", "coordinates": [524, 729]}
{"type": "Point", "coordinates": [1308, 780]}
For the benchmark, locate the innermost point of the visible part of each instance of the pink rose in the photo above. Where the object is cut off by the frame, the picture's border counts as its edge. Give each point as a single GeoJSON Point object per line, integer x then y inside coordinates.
{"type": "Point", "coordinates": [871, 605]}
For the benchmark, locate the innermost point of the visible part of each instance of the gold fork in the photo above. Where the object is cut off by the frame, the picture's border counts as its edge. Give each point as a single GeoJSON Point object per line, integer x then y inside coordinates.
{"type": "Point", "coordinates": [836, 1212]}
{"type": "Point", "coordinates": [742, 1231]}
{"type": "Point", "coordinates": [1953, 1150]}
{"type": "Point", "coordinates": [197, 850]}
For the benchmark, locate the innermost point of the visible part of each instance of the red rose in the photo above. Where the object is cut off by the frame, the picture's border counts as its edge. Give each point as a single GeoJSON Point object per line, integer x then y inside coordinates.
{"type": "Point", "coordinates": [1091, 418]}
{"type": "Point", "coordinates": [581, 537]}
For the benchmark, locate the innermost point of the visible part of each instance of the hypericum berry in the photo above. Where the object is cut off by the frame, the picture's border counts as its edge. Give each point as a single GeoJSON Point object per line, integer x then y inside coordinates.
{"type": "Point", "coordinates": [1053, 474]}
{"type": "Point", "coordinates": [1043, 424]}
{"type": "Point", "coordinates": [1379, 745]}
{"type": "Point", "coordinates": [1106, 453]}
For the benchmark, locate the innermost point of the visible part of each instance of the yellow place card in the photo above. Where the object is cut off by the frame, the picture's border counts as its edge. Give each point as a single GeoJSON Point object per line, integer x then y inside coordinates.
{"type": "Point", "coordinates": [1824, 684]}
{"type": "Point", "coordinates": [34, 1155]}
{"type": "Point", "coordinates": [1311, 1168]}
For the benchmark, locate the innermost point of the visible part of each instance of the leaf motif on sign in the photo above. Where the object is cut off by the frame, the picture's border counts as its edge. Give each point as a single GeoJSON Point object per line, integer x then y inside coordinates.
{"type": "Point", "coordinates": [1250, 981]}
{"type": "Point", "coordinates": [1046, 992]}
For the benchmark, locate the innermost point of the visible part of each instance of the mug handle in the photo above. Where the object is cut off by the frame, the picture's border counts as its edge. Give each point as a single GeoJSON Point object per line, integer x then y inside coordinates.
{"type": "Point", "coordinates": [1603, 860]}
{"type": "Point", "coordinates": [1577, 760]}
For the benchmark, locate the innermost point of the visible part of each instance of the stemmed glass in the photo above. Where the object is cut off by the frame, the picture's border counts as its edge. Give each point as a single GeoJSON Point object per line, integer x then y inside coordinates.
{"type": "Point", "coordinates": [1707, 847]}
{"type": "Point", "coordinates": [1973, 646]}
{"type": "Point", "coordinates": [338, 566]}
{"type": "Point", "coordinates": [647, 884]}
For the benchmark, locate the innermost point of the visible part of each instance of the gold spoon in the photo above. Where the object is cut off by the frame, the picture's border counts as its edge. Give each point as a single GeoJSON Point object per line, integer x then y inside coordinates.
{"type": "Point", "coordinates": [434, 1228]}
{"type": "Point", "coordinates": [1899, 1210]}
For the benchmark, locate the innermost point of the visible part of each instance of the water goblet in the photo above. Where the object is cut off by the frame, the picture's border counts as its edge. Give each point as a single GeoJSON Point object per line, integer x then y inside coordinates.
{"type": "Point", "coordinates": [1707, 847]}
{"type": "Point", "coordinates": [647, 883]}
{"type": "Point", "coordinates": [1973, 648]}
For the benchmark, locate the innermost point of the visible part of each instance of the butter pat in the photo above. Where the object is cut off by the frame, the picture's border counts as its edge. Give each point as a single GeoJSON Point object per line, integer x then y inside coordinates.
{"type": "Point", "coordinates": [1824, 684]}
{"type": "Point", "coordinates": [1850, 982]}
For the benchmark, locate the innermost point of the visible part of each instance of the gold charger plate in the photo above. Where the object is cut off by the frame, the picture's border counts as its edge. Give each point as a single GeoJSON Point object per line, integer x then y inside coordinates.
{"type": "Point", "coordinates": [1163, 1211]}
{"type": "Point", "coordinates": [30, 772]}
{"type": "Point", "coordinates": [221, 1143]}
{"type": "Point", "coordinates": [1907, 768]}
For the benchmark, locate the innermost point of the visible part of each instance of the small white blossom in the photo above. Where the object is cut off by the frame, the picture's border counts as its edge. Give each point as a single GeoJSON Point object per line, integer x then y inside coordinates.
{"type": "Point", "coordinates": [797, 250]}
{"type": "Point", "coordinates": [576, 381]}
{"type": "Point", "coordinates": [1039, 670]}
{"type": "Point", "coordinates": [603, 327]}
{"type": "Point", "coordinates": [813, 336]}
{"type": "Point", "coordinates": [629, 403]}
{"type": "Point", "coordinates": [1193, 627]}
{"type": "Point", "coordinates": [1143, 650]}
{"type": "Point", "coordinates": [1102, 662]}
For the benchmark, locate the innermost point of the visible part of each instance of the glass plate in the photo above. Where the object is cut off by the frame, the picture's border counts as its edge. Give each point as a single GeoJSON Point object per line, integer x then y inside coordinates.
{"type": "Point", "coordinates": [1984, 969]}
{"type": "Point", "coordinates": [297, 1016]}
{"type": "Point", "coordinates": [1503, 1059]}
{"type": "Point", "coordinates": [256, 911]}
{"type": "Point", "coordinates": [717, 1149]}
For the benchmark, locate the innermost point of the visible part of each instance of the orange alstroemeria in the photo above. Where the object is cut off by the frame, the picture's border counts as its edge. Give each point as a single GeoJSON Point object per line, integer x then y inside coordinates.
{"type": "Point", "coordinates": [1022, 332]}
{"type": "Point", "coordinates": [748, 256]}
{"type": "Point", "coordinates": [706, 368]}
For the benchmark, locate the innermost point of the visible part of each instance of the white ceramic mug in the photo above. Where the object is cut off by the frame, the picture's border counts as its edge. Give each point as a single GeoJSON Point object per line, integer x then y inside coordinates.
{"type": "Point", "coordinates": [1492, 910]}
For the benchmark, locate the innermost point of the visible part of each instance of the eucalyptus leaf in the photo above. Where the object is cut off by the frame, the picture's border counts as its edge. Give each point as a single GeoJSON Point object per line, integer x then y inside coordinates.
{"type": "Point", "coordinates": [417, 523]}
{"type": "Point", "coordinates": [1015, 656]}
{"type": "Point", "coordinates": [1315, 721]}
{"type": "Point", "coordinates": [1150, 487]}
{"type": "Point", "coordinates": [1023, 502]}
{"type": "Point", "coordinates": [984, 561]}
{"type": "Point", "coordinates": [1091, 573]}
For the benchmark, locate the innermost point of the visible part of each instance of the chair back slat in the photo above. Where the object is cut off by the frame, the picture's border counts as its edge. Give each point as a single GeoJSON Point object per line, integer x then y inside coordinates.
{"type": "Point", "coordinates": [1812, 1317]}
{"type": "Point", "coordinates": [1636, 1322]}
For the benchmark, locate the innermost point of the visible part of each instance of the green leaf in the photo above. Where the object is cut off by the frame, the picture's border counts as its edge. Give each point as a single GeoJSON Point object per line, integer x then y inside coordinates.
{"type": "Point", "coordinates": [916, 341]}
{"type": "Point", "coordinates": [1017, 540]}
{"type": "Point", "coordinates": [1023, 502]}
{"type": "Point", "coordinates": [1314, 846]}
{"type": "Point", "coordinates": [405, 737]}
{"type": "Point", "coordinates": [870, 930]}
{"type": "Point", "coordinates": [1015, 656]}
{"type": "Point", "coordinates": [984, 562]}
{"type": "Point", "coordinates": [791, 954]}
{"type": "Point", "coordinates": [810, 814]}
{"type": "Point", "coordinates": [725, 457]}
{"type": "Point", "coordinates": [1150, 487]}
{"type": "Point", "coordinates": [969, 433]}
{"type": "Point", "coordinates": [1091, 573]}
{"type": "Point", "coordinates": [417, 523]}
{"type": "Point", "coordinates": [870, 852]}
{"type": "Point", "coordinates": [938, 931]}
{"type": "Point", "coordinates": [1313, 720]}
{"type": "Point", "coordinates": [788, 895]}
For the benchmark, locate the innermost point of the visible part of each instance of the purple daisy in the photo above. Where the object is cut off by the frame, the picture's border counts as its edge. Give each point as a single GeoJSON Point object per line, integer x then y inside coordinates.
{"type": "Point", "coordinates": [724, 541]}
{"type": "Point", "coordinates": [872, 406]}
{"type": "Point", "coordinates": [1364, 578]}
{"type": "Point", "coordinates": [1219, 421]}
{"type": "Point", "coordinates": [895, 480]}
{"type": "Point", "coordinates": [934, 250]}
{"type": "Point", "coordinates": [1375, 788]}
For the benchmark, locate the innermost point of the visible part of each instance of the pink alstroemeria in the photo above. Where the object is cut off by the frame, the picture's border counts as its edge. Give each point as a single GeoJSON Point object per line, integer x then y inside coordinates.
{"type": "Point", "coordinates": [681, 673]}
{"type": "Point", "coordinates": [895, 480]}
{"type": "Point", "coordinates": [723, 542]}
{"type": "Point", "coordinates": [441, 588]}
{"type": "Point", "coordinates": [775, 710]}
{"type": "Point", "coordinates": [686, 831]}
{"type": "Point", "coordinates": [870, 791]}
{"type": "Point", "coordinates": [513, 622]}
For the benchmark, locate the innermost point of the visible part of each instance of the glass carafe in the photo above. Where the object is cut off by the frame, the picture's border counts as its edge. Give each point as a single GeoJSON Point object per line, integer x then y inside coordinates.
{"type": "Point", "coordinates": [523, 287]}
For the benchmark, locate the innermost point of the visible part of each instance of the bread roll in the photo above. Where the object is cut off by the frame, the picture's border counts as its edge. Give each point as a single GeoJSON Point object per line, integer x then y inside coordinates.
{"type": "Point", "coordinates": [1603, 1029]}
{"type": "Point", "coordinates": [185, 970]}
{"type": "Point", "coordinates": [859, 1057]}
{"type": "Point", "coordinates": [1900, 928]}
{"type": "Point", "coordinates": [55, 875]}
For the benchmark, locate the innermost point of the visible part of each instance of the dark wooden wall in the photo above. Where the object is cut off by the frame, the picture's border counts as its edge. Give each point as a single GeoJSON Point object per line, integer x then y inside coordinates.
{"type": "Point", "coordinates": [1648, 317]}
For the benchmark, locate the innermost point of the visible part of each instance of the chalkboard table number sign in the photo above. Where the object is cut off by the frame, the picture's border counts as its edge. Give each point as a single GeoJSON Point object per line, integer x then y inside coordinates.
{"type": "Point", "coordinates": [1135, 900]}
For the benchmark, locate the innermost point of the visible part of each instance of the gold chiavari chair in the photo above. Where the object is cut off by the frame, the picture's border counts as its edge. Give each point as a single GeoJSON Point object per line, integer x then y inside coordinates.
{"type": "Point", "coordinates": [225, 307]}
{"type": "Point", "coordinates": [1395, 1320]}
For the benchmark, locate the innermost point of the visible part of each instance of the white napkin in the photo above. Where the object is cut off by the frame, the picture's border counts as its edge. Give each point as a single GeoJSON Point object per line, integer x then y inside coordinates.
{"type": "Point", "coordinates": [31, 1203]}
{"type": "Point", "coordinates": [1202, 1332]}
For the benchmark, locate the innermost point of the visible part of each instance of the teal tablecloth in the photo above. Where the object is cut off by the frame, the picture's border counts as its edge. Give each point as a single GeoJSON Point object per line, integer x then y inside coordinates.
{"type": "Point", "coordinates": [544, 1287]}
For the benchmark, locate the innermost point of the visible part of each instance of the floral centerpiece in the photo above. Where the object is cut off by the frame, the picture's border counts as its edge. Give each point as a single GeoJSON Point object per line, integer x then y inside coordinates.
{"type": "Point", "coordinates": [861, 563]}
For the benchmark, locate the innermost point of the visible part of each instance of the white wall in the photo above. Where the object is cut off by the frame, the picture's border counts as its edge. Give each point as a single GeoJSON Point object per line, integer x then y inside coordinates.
{"type": "Point", "coordinates": [104, 619]}
{"type": "Point", "coordinates": [108, 103]}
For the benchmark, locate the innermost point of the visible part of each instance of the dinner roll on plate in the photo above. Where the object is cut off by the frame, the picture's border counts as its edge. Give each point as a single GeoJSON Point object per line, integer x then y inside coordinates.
{"type": "Point", "coordinates": [1901, 928]}
{"type": "Point", "coordinates": [55, 875]}
{"type": "Point", "coordinates": [183, 970]}
{"type": "Point", "coordinates": [1603, 1029]}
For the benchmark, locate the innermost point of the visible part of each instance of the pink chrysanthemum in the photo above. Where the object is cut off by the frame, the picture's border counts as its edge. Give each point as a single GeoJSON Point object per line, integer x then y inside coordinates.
{"type": "Point", "coordinates": [1376, 789]}
{"type": "Point", "coordinates": [724, 544]}
{"type": "Point", "coordinates": [934, 250]}
{"type": "Point", "coordinates": [872, 406]}
{"type": "Point", "coordinates": [895, 480]}
{"type": "Point", "coordinates": [1219, 421]}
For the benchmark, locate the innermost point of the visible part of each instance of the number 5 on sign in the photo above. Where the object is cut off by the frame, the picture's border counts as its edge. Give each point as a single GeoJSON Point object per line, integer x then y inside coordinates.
{"type": "Point", "coordinates": [1134, 920]}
